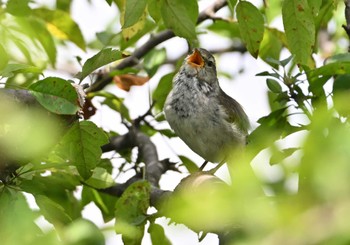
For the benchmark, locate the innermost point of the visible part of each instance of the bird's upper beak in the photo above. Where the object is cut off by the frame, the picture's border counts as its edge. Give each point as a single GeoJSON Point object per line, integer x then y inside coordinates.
{"type": "Point", "coordinates": [195, 59]}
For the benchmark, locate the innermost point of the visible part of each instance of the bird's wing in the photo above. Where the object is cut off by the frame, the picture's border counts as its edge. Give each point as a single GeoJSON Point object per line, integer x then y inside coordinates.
{"type": "Point", "coordinates": [234, 111]}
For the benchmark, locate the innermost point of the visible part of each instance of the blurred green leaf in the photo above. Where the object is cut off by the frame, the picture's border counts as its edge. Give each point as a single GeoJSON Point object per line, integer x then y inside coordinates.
{"type": "Point", "coordinates": [251, 26]}
{"type": "Point", "coordinates": [189, 164]}
{"type": "Point", "coordinates": [131, 212]}
{"type": "Point", "coordinates": [133, 11]}
{"type": "Point", "coordinates": [225, 28]}
{"type": "Point", "coordinates": [113, 102]}
{"type": "Point", "coordinates": [158, 235]}
{"type": "Point", "coordinates": [232, 5]}
{"type": "Point", "coordinates": [18, 7]}
{"type": "Point", "coordinates": [100, 179]}
{"type": "Point", "coordinates": [56, 95]}
{"type": "Point", "coordinates": [82, 232]}
{"type": "Point", "coordinates": [105, 202]}
{"type": "Point", "coordinates": [45, 39]}
{"type": "Point", "coordinates": [154, 9]}
{"type": "Point", "coordinates": [270, 47]}
{"type": "Point", "coordinates": [103, 57]}
{"type": "Point", "coordinates": [181, 17]}
{"type": "Point", "coordinates": [12, 69]}
{"type": "Point", "coordinates": [61, 25]}
{"type": "Point", "coordinates": [81, 147]}
{"type": "Point", "coordinates": [299, 26]}
{"type": "Point", "coordinates": [160, 93]}
{"type": "Point", "coordinates": [4, 59]}
{"type": "Point", "coordinates": [279, 156]}
{"type": "Point", "coordinates": [153, 60]}
{"type": "Point", "coordinates": [52, 211]}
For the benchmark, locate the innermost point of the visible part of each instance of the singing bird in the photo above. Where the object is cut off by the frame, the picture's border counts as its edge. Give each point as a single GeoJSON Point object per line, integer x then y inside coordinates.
{"type": "Point", "coordinates": [210, 122]}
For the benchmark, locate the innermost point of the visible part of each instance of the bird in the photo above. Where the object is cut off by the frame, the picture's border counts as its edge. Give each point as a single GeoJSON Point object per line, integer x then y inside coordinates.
{"type": "Point", "coordinates": [210, 122]}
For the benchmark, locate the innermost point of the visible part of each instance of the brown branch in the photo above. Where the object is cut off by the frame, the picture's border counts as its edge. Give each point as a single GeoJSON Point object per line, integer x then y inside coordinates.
{"type": "Point", "coordinates": [133, 59]}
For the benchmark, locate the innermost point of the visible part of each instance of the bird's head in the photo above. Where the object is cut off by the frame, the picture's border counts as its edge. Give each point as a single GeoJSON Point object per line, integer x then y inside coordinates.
{"type": "Point", "coordinates": [201, 64]}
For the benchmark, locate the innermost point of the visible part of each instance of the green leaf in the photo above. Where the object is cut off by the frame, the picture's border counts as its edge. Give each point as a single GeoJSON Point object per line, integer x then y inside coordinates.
{"type": "Point", "coordinates": [100, 179]}
{"type": "Point", "coordinates": [232, 5]}
{"type": "Point", "coordinates": [154, 10]}
{"type": "Point", "coordinates": [52, 211]}
{"type": "Point", "coordinates": [225, 28]}
{"type": "Point", "coordinates": [153, 60]}
{"type": "Point", "coordinates": [278, 156]}
{"type": "Point", "coordinates": [274, 86]}
{"type": "Point", "coordinates": [45, 39]}
{"type": "Point", "coordinates": [81, 147]}
{"type": "Point", "coordinates": [189, 164]}
{"type": "Point", "coordinates": [18, 7]}
{"type": "Point", "coordinates": [56, 95]}
{"type": "Point", "coordinates": [61, 25]}
{"type": "Point", "coordinates": [12, 69]}
{"type": "Point", "coordinates": [113, 102]}
{"type": "Point", "coordinates": [82, 231]}
{"type": "Point", "coordinates": [131, 212]}
{"type": "Point", "coordinates": [337, 68]}
{"type": "Point", "coordinates": [158, 235]}
{"type": "Point", "coordinates": [134, 9]}
{"type": "Point", "coordinates": [299, 26]}
{"type": "Point", "coordinates": [104, 57]}
{"type": "Point", "coordinates": [105, 202]}
{"type": "Point", "coordinates": [270, 47]}
{"type": "Point", "coordinates": [160, 93]}
{"type": "Point", "coordinates": [181, 17]}
{"type": "Point", "coordinates": [4, 59]}
{"type": "Point", "coordinates": [251, 26]}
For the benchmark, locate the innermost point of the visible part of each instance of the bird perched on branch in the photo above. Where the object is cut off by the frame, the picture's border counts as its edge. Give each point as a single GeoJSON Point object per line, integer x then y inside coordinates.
{"type": "Point", "coordinates": [210, 122]}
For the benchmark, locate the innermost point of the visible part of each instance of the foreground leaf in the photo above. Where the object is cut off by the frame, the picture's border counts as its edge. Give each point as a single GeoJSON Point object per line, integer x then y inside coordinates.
{"type": "Point", "coordinates": [104, 57]}
{"type": "Point", "coordinates": [81, 147]}
{"type": "Point", "coordinates": [130, 213]}
{"type": "Point", "coordinates": [56, 95]}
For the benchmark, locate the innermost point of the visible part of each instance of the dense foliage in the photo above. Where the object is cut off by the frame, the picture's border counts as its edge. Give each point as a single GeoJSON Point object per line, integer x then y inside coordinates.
{"type": "Point", "coordinates": [52, 151]}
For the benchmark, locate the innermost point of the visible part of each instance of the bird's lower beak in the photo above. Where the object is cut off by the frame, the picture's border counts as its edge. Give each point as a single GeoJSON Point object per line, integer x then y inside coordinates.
{"type": "Point", "coordinates": [195, 59]}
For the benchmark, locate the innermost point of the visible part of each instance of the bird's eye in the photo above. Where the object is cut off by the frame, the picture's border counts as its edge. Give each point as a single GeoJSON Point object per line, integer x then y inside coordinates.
{"type": "Point", "coordinates": [210, 63]}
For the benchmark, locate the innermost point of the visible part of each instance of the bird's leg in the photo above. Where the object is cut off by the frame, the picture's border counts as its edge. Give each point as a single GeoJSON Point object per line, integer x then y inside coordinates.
{"type": "Point", "coordinates": [203, 166]}
{"type": "Point", "coordinates": [213, 170]}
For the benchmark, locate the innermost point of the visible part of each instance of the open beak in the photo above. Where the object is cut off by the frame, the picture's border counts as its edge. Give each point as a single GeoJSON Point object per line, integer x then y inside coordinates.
{"type": "Point", "coordinates": [195, 59]}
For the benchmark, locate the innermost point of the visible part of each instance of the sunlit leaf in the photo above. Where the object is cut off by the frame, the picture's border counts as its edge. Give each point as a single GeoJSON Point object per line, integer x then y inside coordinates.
{"type": "Point", "coordinates": [12, 69]}
{"type": "Point", "coordinates": [104, 57]}
{"type": "Point", "coordinates": [180, 16]}
{"type": "Point", "coordinates": [251, 26]}
{"type": "Point", "coordinates": [4, 59]}
{"type": "Point", "coordinates": [18, 7]}
{"type": "Point", "coordinates": [154, 10]}
{"type": "Point", "coordinates": [82, 231]}
{"type": "Point", "coordinates": [61, 25]}
{"type": "Point", "coordinates": [56, 95]}
{"type": "Point", "coordinates": [153, 60]}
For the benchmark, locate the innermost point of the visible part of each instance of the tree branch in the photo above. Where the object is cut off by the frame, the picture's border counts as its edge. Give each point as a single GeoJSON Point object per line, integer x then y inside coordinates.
{"type": "Point", "coordinates": [133, 59]}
